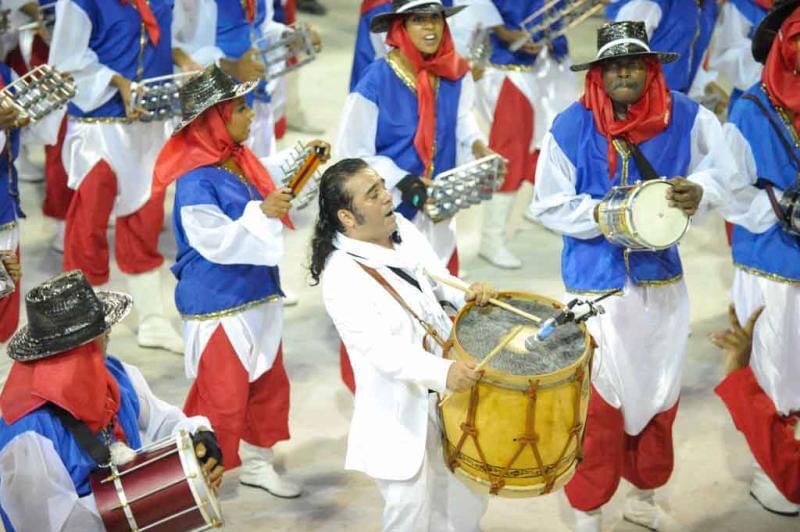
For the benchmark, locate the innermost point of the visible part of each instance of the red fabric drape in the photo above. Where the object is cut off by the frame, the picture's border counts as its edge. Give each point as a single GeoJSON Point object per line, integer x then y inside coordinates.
{"type": "Point", "coordinates": [368, 5]}
{"type": "Point", "coordinates": [76, 380]}
{"type": "Point", "coordinates": [206, 141]}
{"type": "Point", "coordinates": [149, 19]}
{"type": "Point", "coordinates": [445, 63]}
{"type": "Point", "coordinates": [251, 10]}
{"type": "Point", "coordinates": [646, 118]}
{"type": "Point", "coordinates": [780, 73]}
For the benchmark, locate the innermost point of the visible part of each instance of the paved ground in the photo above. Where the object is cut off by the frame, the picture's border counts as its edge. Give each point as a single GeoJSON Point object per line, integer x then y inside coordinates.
{"type": "Point", "coordinates": [708, 491]}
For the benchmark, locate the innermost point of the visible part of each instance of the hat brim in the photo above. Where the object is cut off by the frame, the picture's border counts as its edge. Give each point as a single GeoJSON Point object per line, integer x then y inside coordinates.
{"type": "Point", "coordinates": [768, 28]}
{"type": "Point", "coordinates": [381, 23]}
{"type": "Point", "coordinates": [25, 348]}
{"type": "Point", "coordinates": [663, 58]}
{"type": "Point", "coordinates": [242, 89]}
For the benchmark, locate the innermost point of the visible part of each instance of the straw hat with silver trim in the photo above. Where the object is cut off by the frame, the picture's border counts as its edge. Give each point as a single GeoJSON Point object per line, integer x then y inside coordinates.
{"type": "Point", "coordinates": [624, 39]}
{"type": "Point", "coordinates": [381, 23]}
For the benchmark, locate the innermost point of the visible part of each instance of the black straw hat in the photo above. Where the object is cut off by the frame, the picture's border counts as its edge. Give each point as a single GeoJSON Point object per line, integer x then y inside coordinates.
{"type": "Point", "coordinates": [207, 89]}
{"type": "Point", "coordinates": [624, 39]}
{"type": "Point", "coordinates": [381, 23]}
{"type": "Point", "coordinates": [770, 26]}
{"type": "Point", "coordinates": [63, 313]}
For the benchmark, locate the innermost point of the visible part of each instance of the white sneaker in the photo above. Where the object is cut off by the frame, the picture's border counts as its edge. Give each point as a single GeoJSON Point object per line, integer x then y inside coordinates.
{"type": "Point", "coordinates": [157, 332]}
{"type": "Point", "coordinates": [499, 255]}
{"type": "Point", "coordinates": [763, 490]}
{"type": "Point", "coordinates": [588, 521]}
{"type": "Point", "coordinates": [257, 471]}
{"type": "Point", "coordinates": [58, 239]}
{"type": "Point", "coordinates": [641, 509]}
{"type": "Point", "coordinates": [493, 233]}
{"type": "Point", "coordinates": [290, 299]}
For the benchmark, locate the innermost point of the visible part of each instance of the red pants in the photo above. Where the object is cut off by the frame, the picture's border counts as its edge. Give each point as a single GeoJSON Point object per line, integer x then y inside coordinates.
{"type": "Point", "coordinates": [609, 454]}
{"type": "Point", "coordinates": [346, 369]}
{"type": "Point", "coordinates": [511, 135]}
{"type": "Point", "coordinates": [256, 412]}
{"type": "Point", "coordinates": [771, 437]}
{"type": "Point", "coordinates": [39, 54]}
{"type": "Point", "coordinates": [85, 241]}
{"type": "Point", "coordinates": [9, 312]}
{"type": "Point", "coordinates": [57, 194]}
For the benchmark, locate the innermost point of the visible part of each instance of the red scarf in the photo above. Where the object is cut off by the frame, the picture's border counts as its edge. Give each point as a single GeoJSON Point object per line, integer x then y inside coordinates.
{"type": "Point", "coordinates": [780, 75]}
{"type": "Point", "coordinates": [445, 63]}
{"type": "Point", "coordinates": [206, 141]}
{"type": "Point", "coordinates": [149, 19]}
{"type": "Point", "coordinates": [369, 5]}
{"type": "Point", "coordinates": [645, 119]}
{"type": "Point", "coordinates": [76, 380]}
{"type": "Point", "coordinates": [765, 4]}
{"type": "Point", "coordinates": [250, 10]}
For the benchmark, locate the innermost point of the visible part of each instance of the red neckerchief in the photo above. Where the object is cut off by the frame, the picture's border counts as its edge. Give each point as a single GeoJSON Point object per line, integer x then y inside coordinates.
{"type": "Point", "coordinates": [369, 5]}
{"type": "Point", "coordinates": [76, 380]}
{"type": "Point", "coordinates": [149, 19]}
{"type": "Point", "coordinates": [206, 141]}
{"type": "Point", "coordinates": [780, 70]}
{"type": "Point", "coordinates": [646, 118]}
{"type": "Point", "coordinates": [250, 10]}
{"type": "Point", "coordinates": [766, 4]}
{"type": "Point", "coordinates": [445, 63]}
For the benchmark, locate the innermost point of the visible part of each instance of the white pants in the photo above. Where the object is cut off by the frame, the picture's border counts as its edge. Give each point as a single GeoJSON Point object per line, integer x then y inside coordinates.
{"type": "Point", "coordinates": [434, 499]}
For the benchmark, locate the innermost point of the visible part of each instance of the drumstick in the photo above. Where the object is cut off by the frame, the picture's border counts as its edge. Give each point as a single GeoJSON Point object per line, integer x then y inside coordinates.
{"type": "Point", "coordinates": [493, 353]}
{"type": "Point", "coordinates": [496, 302]}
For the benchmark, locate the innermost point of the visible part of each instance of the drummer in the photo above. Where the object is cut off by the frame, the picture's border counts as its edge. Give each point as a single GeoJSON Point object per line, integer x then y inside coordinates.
{"type": "Point", "coordinates": [64, 370]}
{"type": "Point", "coordinates": [372, 263]}
{"type": "Point", "coordinates": [627, 107]}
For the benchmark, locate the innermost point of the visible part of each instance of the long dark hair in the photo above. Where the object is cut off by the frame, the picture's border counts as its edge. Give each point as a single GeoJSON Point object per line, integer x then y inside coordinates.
{"type": "Point", "coordinates": [332, 197]}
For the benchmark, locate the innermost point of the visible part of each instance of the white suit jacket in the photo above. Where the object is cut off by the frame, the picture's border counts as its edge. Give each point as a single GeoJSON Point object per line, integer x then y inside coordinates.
{"type": "Point", "coordinates": [393, 372]}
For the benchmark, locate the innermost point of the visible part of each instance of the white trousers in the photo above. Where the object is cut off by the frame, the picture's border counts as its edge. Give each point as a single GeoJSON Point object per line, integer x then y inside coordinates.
{"type": "Point", "coordinates": [434, 499]}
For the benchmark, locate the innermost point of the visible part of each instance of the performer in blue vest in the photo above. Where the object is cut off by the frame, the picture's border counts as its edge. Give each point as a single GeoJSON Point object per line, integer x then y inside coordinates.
{"type": "Point", "coordinates": [519, 95]}
{"type": "Point", "coordinates": [229, 217]}
{"type": "Point", "coordinates": [643, 334]}
{"type": "Point", "coordinates": [106, 45]}
{"type": "Point", "coordinates": [764, 133]}
{"type": "Point", "coordinates": [62, 372]}
{"type": "Point", "coordinates": [369, 46]}
{"type": "Point", "coordinates": [410, 115]}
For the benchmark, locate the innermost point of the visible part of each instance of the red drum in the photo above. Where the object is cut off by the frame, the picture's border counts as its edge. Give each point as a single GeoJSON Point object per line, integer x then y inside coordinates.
{"type": "Point", "coordinates": [162, 489]}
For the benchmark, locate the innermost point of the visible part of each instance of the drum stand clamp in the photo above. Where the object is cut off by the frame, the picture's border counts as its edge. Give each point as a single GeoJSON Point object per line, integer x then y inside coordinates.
{"type": "Point", "coordinates": [568, 315]}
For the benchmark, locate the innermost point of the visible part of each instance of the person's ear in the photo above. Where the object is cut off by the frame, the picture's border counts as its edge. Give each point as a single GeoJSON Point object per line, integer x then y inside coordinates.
{"type": "Point", "coordinates": [346, 218]}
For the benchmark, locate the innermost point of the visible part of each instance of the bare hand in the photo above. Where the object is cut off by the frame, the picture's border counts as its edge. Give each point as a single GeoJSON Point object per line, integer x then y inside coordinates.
{"type": "Point", "coordinates": [736, 342]}
{"type": "Point", "coordinates": [249, 67]}
{"type": "Point", "coordinates": [184, 61]}
{"type": "Point", "coordinates": [124, 85]}
{"type": "Point", "coordinates": [480, 150]}
{"type": "Point", "coordinates": [477, 71]}
{"type": "Point", "coordinates": [10, 118]}
{"type": "Point", "coordinates": [326, 149]}
{"type": "Point", "coordinates": [11, 264]}
{"type": "Point", "coordinates": [480, 293]}
{"type": "Point", "coordinates": [510, 36]}
{"type": "Point", "coordinates": [278, 203]}
{"type": "Point", "coordinates": [211, 469]}
{"type": "Point", "coordinates": [715, 90]}
{"type": "Point", "coordinates": [684, 195]}
{"type": "Point", "coordinates": [462, 376]}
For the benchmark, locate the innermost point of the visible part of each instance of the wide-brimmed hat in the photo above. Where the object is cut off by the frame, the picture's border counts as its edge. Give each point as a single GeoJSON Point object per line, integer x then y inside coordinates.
{"type": "Point", "coordinates": [770, 25]}
{"type": "Point", "coordinates": [381, 23]}
{"type": "Point", "coordinates": [63, 313]}
{"type": "Point", "coordinates": [206, 90]}
{"type": "Point", "coordinates": [624, 39]}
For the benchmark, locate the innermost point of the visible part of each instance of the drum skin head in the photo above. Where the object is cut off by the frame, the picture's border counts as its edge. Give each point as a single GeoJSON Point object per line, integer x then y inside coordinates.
{"type": "Point", "coordinates": [652, 218]}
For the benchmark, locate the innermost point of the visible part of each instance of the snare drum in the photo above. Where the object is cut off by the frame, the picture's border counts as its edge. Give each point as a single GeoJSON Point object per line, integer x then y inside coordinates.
{"type": "Point", "coordinates": [162, 489]}
{"type": "Point", "coordinates": [640, 217]}
{"type": "Point", "coordinates": [518, 432]}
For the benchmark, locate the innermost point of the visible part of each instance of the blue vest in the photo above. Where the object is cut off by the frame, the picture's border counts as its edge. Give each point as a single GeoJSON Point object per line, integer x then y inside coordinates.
{"type": "Point", "coordinates": [595, 264]}
{"type": "Point", "coordinates": [397, 121]}
{"type": "Point", "coordinates": [685, 28]}
{"type": "Point", "coordinates": [78, 463]}
{"type": "Point", "coordinates": [10, 209]}
{"type": "Point", "coordinates": [117, 37]}
{"type": "Point", "coordinates": [364, 53]}
{"type": "Point", "coordinates": [513, 13]}
{"type": "Point", "coordinates": [754, 14]}
{"type": "Point", "coordinates": [205, 287]}
{"type": "Point", "coordinates": [774, 253]}
{"type": "Point", "coordinates": [236, 35]}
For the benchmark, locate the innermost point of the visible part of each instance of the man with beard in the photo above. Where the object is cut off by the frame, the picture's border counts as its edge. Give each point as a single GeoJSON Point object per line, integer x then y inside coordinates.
{"type": "Point", "coordinates": [627, 112]}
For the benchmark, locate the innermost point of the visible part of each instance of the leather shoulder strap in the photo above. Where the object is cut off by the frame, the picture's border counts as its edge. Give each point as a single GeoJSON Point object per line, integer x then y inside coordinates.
{"type": "Point", "coordinates": [88, 442]}
{"type": "Point", "coordinates": [776, 126]}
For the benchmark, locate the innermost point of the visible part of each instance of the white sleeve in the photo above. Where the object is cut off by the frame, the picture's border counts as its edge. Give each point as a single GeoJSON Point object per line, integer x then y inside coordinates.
{"type": "Point", "coordinates": [467, 130]}
{"type": "Point", "coordinates": [729, 52]}
{"type": "Point", "coordinates": [194, 30]}
{"type": "Point", "coordinates": [555, 202]}
{"type": "Point", "coordinates": [478, 12]}
{"type": "Point", "coordinates": [749, 206]}
{"type": "Point", "coordinates": [37, 491]}
{"type": "Point", "coordinates": [70, 52]}
{"type": "Point", "coordinates": [159, 419]}
{"type": "Point", "coordinates": [357, 132]}
{"type": "Point", "coordinates": [378, 41]}
{"type": "Point", "coordinates": [643, 11]}
{"type": "Point", "coordinates": [251, 239]}
{"type": "Point", "coordinates": [365, 329]}
{"type": "Point", "coordinates": [711, 163]}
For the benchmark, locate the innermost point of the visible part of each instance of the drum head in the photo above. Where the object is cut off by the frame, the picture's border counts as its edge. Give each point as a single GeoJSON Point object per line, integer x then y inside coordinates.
{"type": "Point", "coordinates": [653, 220]}
{"type": "Point", "coordinates": [480, 329]}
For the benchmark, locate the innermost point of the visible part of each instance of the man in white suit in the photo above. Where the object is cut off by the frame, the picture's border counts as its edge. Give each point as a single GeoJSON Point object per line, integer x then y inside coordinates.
{"type": "Point", "coordinates": [373, 265]}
